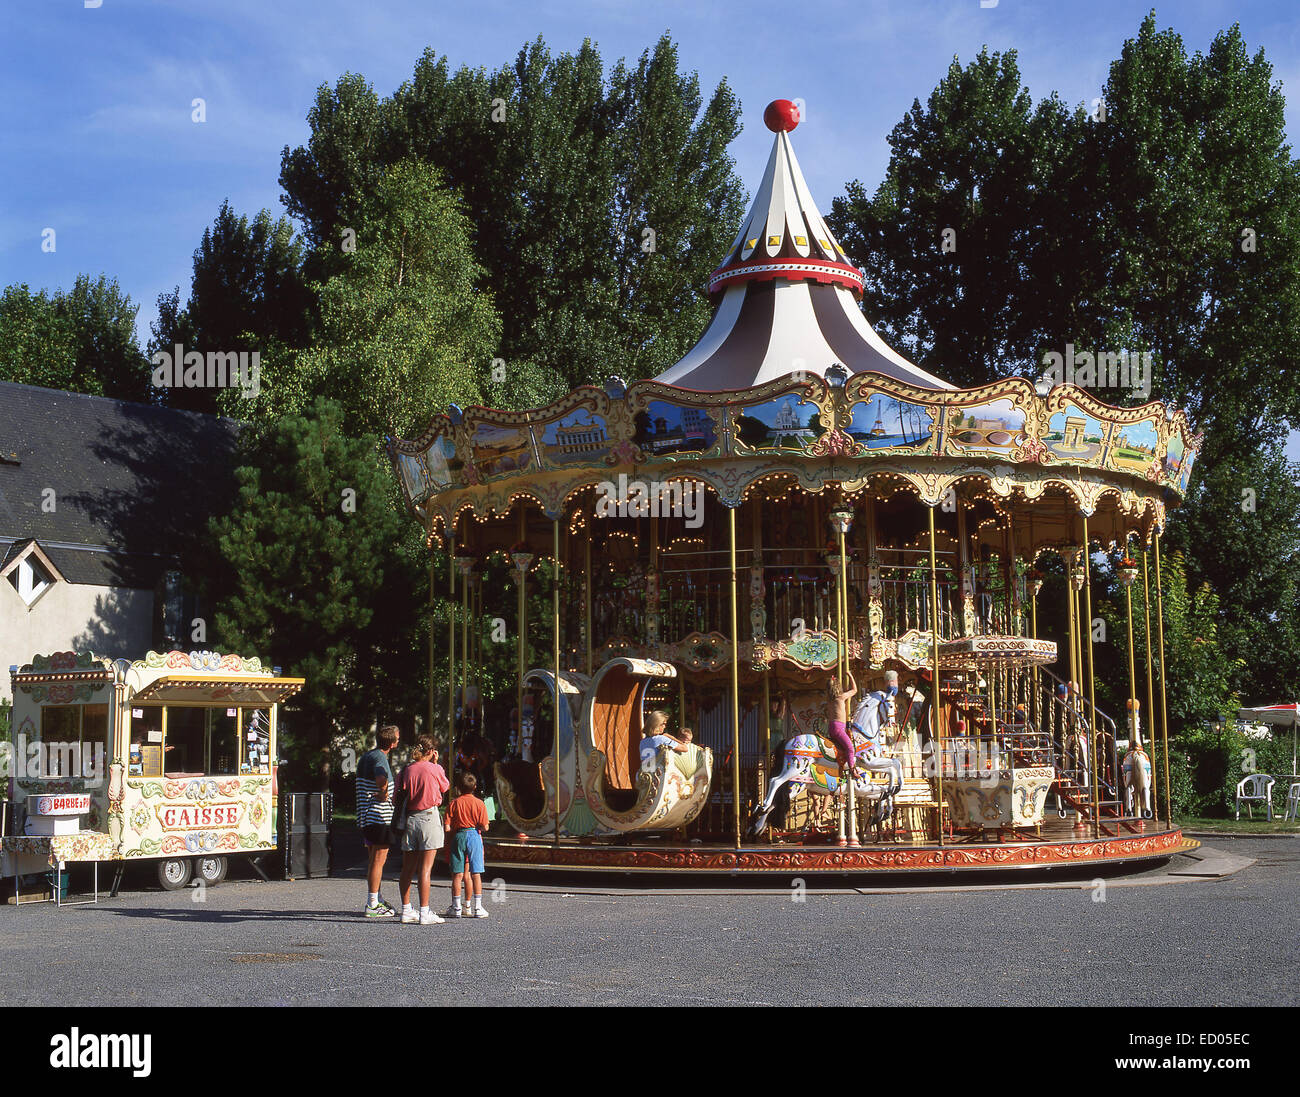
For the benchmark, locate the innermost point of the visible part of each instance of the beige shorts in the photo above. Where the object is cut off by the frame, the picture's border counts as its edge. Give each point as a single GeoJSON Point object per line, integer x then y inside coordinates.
{"type": "Point", "coordinates": [423, 831]}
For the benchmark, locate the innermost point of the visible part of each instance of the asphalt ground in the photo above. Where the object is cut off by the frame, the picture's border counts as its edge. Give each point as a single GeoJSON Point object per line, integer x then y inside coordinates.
{"type": "Point", "coordinates": [1150, 938]}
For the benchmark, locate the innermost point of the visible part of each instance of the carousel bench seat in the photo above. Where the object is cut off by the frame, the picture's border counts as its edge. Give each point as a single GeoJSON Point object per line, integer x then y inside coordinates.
{"type": "Point", "coordinates": [623, 792]}
{"type": "Point", "coordinates": [524, 782]}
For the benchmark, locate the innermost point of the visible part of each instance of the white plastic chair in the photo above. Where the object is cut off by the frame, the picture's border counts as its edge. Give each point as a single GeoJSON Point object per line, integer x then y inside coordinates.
{"type": "Point", "coordinates": [1260, 787]}
{"type": "Point", "coordinates": [1292, 803]}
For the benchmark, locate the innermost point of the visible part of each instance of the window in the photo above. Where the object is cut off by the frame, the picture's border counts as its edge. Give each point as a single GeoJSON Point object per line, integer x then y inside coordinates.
{"type": "Point", "coordinates": [146, 741]}
{"type": "Point", "coordinates": [61, 741]}
{"type": "Point", "coordinates": [222, 742]}
{"type": "Point", "coordinates": [257, 741]}
{"type": "Point", "coordinates": [74, 741]}
{"type": "Point", "coordinates": [201, 740]}
{"type": "Point", "coordinates": [30, 579]}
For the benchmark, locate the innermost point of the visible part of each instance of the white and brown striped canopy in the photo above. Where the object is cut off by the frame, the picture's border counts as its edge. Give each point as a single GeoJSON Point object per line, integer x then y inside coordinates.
{"type": "Point", "coordinates": [787, 293]}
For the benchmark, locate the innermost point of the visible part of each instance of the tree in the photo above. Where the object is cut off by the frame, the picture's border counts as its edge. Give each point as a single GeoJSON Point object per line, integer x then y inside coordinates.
{"type": "Point", "coordinates": [1241, 536]}
{"type": "Point", "coordinates": [1197, 155]}
{"type": "Point", "coordinates": [82, 340]}
{"type": "Point", "coordinates": [318, 569]}
{"type": "Point", "coordinates": [562, 172]}
{"type": "Point", "coordinates": [981, 161]}
{"type": "Point", "coordinates": [403, 326]}
{"type": "Point", "coordinates": [1166, 219]}
{"type": "Point", "coordinates": [248, 293]}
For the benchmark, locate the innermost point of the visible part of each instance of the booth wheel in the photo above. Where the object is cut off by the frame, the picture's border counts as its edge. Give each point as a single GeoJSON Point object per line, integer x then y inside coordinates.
{"type": "Point", "coordinates": [174, 873]}
{"type": "Point", "coordinates": [211, 870]}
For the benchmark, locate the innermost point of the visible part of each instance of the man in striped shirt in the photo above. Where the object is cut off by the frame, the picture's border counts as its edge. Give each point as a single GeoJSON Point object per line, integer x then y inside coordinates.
{"type": "Point", "coordinates": [375, 788]}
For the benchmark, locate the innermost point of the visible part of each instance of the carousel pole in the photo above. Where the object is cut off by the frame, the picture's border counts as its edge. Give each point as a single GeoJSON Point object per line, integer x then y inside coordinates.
{"type": "Point", "coordinates": [464, 654]}
{"type": "Point", "coordinates": [1067, 564]}
{"type": "Point", "coordinates": [1164, 692]}
{"type": "Point", "coordinates": [1127, 576]}
{"type": "Point", "coordinates": [586, 587]}
{"type": "Point", "coordinates": [936, 722]}
{"type": "Point", "coordinates": [1035, 693]}
{"type": "Point", "coordinates": [555, 663]}
{"type": "Point", "coordinates": [451, 652]}
{"type": "Point", "coordinates": [463, 563]}
{"type": "Point", "coordinates": [841, 520]}
{"type": "Point", "coordinates": [521, 570]}
{"type": "Point", "coordinates": [1092, 682]}
{"type": "Point", "coordinates": [433, 586]}
{"type": "Point", "coordinates": [1073, 710]}
{"type": "Point", "coordinates": [1151, 703]}
{"type": "Point", "coordinates": [735, 680]}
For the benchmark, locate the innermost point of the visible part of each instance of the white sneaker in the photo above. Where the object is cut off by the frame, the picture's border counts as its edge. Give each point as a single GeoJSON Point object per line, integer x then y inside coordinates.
{"type": "Point", "coordinates": [480, 912]}
{"type": "Point", "coordinates": [428, 918]}
{"type": "Point", "coordinates": [410, 917]}
{"type": "Point", "coordinates": [452, 912]}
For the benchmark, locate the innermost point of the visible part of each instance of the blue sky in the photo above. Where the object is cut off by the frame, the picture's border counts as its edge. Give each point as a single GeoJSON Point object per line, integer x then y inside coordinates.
{"type": "Point", "coordinates": [99, 144]}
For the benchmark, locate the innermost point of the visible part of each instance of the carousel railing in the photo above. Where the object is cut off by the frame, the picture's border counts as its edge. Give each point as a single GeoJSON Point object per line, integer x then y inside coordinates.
{"type": "Point", "coordinates": [805, 597]}
{"type": "Point", "coordinates": [697, 601]}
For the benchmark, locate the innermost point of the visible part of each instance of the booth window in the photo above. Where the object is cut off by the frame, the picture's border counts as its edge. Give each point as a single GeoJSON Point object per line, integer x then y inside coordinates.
{"type": "Point", "coordinates": [257, 741]}
{"type": "Point", "coordinates": [222, 742]}
{"type": "Point", "coordinates": [201, 741]}
{"type": "Point", "coordinates": [146, 742]}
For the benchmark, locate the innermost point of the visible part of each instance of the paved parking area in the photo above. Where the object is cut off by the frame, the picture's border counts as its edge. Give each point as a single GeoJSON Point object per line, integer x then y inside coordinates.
{"type": "Point", "coordinates": [1227, 940]}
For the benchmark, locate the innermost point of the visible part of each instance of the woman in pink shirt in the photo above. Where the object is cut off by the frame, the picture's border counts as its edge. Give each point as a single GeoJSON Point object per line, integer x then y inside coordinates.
{"type": "Point", "coordinates": [424, 782]}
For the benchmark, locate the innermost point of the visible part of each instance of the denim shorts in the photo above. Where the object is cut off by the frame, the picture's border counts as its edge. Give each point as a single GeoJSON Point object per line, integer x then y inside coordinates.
{"type": "Point", "coordinates": [467, 844]}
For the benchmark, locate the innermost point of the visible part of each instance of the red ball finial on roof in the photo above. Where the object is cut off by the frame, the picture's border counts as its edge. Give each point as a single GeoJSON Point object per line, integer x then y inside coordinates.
{"type": "Point", "coordinates": [781, 116]}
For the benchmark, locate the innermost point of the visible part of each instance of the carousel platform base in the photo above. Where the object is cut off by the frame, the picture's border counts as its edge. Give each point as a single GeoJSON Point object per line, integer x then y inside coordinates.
{"type": "Point", "coordinates": [1058, 847]}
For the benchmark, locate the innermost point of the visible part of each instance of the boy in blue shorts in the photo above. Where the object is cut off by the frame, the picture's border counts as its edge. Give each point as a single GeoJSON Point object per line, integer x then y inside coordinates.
{"type": "Point", "coordinates": [466, 821]}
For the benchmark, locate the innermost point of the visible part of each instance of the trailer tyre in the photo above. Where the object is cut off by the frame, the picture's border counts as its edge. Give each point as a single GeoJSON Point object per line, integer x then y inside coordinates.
{"type": "Point", "coordinates": [174, 873]}
{"type": "Point", "coordinates": [211, 870]}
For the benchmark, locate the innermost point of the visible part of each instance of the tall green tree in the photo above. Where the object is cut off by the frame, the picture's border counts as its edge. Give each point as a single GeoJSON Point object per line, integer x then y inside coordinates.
{"type": "Point", "coordinates": [82, 340]}
{"type": "Point", "coordinates": [249, 292]}
{"type": "Point", "coordinates": [970, 214]}
{"type": "Point", "coordinates": [600, 203]}
{"type": "Point", "coordinates": [404, 328]}
{"type": "Point", "coordinates": [318, 568]}
{"type": "Point", "coordinates": [1163, 217]}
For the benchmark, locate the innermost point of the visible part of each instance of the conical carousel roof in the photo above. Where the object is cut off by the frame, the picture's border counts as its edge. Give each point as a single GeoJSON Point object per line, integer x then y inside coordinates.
{"type": "Point", "coordinates": [787, 291]}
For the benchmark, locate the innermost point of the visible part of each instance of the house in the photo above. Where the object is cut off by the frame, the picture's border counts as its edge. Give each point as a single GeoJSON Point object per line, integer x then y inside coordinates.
{"type": "Point", "coordinates": [103, 504]}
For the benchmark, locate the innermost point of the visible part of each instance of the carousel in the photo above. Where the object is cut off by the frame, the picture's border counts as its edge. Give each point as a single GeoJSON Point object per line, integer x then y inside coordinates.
{"type": "Point", "coordinates": [795, 516]}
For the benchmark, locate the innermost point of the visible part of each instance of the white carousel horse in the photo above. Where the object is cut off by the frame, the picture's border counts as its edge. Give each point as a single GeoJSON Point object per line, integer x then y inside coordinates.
{"type": "Point", "coordinates": [802, 753]}
{"type": "Point", "coordinates": [1137, 777]}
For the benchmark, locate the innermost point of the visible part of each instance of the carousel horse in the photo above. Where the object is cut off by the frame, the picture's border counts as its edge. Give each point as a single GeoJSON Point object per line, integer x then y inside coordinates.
{"type": "Point", "coordinates": [810, 761]}
{"type": "Point", "coordinates": [1137, 777]}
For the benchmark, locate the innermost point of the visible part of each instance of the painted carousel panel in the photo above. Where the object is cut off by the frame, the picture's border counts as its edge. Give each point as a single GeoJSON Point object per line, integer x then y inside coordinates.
{"type": "Point", "coordinates": [994, 427]}
{"type": "Point", "coordinates": [1075, 437]}
{"type": "Point", "coordinates": [500, 449]}
{"type": "Point", "coordinates": [669, 429]}
{"type": "Point", "coordinates": [789, 423]}
{"type": "Point", "coordinates": [893, 424]}
{"type": "Point", "coordinates": [1137, 448]}
{"type": "Point", "coordinates": [579, 437]}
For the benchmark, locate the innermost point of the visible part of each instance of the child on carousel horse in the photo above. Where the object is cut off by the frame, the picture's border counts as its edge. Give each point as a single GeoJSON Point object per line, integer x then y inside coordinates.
{"type": "Point", "coordinates": [837, 720]}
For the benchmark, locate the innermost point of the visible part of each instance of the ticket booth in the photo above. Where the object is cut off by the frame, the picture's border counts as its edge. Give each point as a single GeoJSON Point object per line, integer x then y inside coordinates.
{"type": "Point", "coordinates": [170, 758]}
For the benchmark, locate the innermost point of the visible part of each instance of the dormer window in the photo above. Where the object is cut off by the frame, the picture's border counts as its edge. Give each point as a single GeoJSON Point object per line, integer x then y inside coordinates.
{"type": "Point", "coordinates": [30, 578]}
